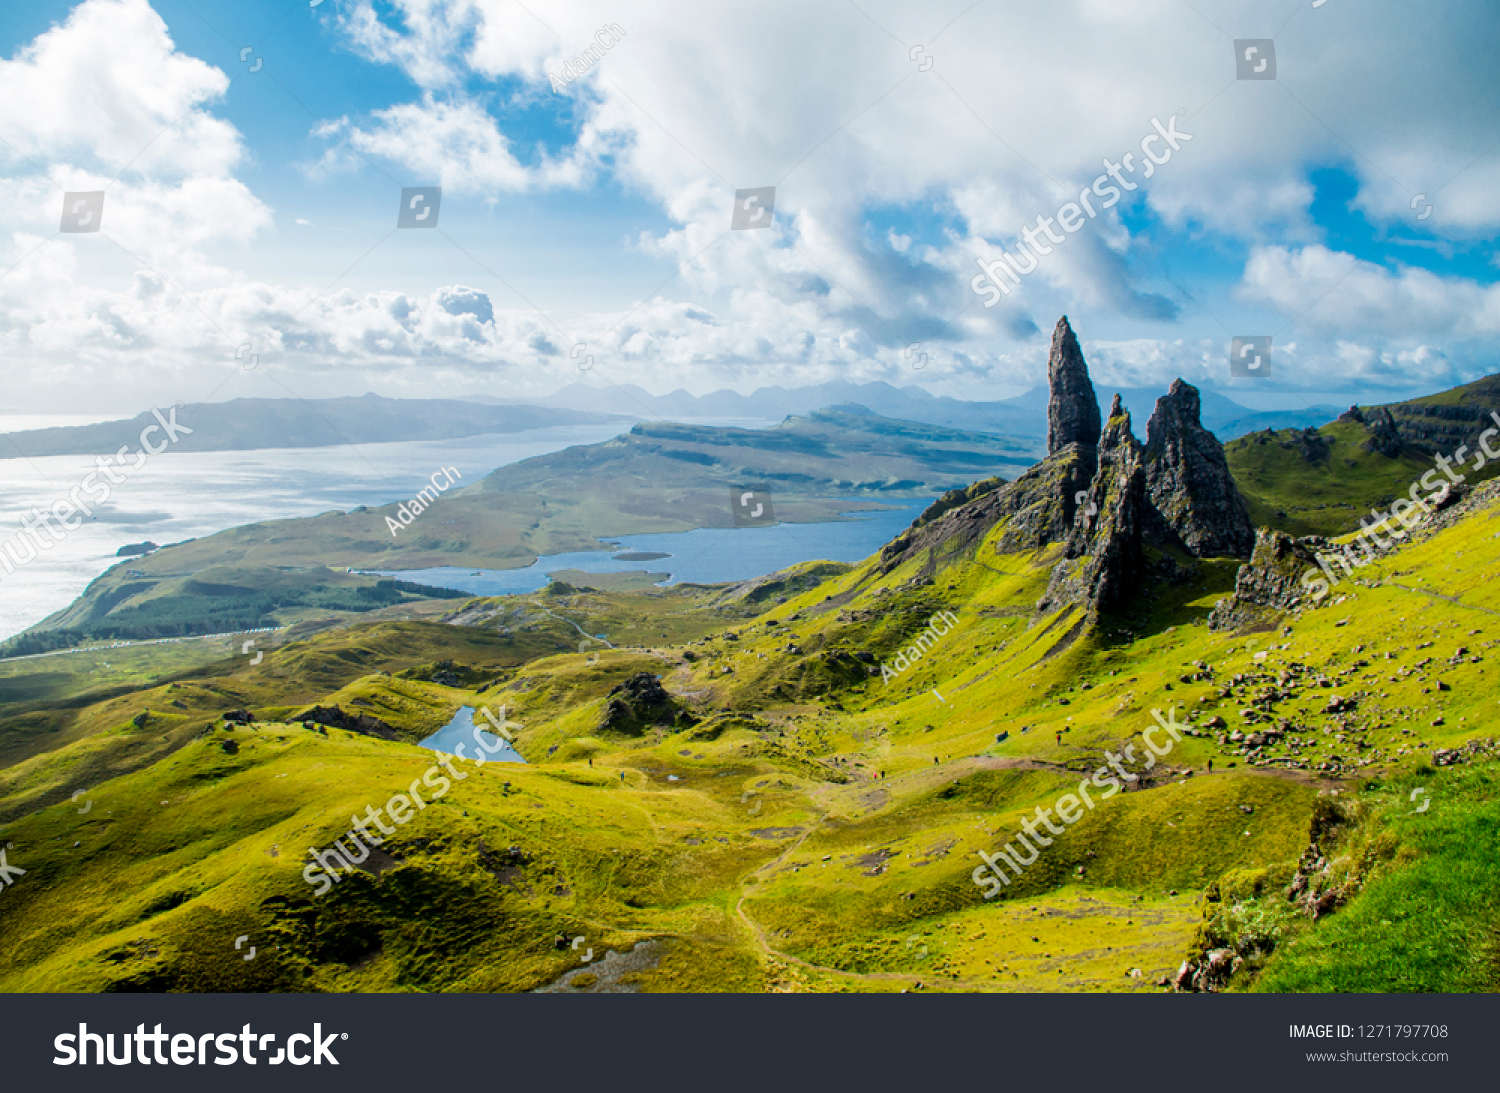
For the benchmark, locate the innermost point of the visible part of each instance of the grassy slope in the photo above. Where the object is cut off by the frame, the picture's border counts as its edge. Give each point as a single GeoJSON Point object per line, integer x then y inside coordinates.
{"type": "Point", "coordinates": [1426, 920]}
{"type": "Point", "coordinates": [716, 837]}
{"type": "Point", "coordinates": [1331, 495]}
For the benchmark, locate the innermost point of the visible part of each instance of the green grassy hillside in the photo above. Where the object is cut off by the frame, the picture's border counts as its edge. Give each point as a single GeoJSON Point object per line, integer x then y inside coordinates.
{"type": "Point", "coordinates": [802, 823]}
{"type": "Point", "coordinates": [1324, 486]}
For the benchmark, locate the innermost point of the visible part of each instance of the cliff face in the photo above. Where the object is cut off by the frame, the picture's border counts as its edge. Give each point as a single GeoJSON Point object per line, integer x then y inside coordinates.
{"type": "Point", "coordinates": [1102, 558]}
{"type": "Point", "coordinates": [1385, 435]}
{"type": "Point", "coordinates": [1188, 480]}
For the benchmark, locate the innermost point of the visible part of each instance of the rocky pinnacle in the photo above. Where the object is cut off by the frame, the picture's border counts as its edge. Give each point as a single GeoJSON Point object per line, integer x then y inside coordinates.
{"type": "Point", "coordinates": [1188, 479]}
{"type": "Point", "coordinates": [1073, 410]}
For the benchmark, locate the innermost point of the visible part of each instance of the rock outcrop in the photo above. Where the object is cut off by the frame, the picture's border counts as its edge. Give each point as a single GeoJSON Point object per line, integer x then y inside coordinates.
{"type": "Point", "coordinates": [1073, 410]}
{"type": "Point", "coordinates": [1100, 492]}
{"type": "Point", "coordinates": [1270, 583]}
{"type": "Point", "coordinates": [1385, 436]}
{"type": "Point", "coordinates": [1312, 445]}
{"type": "Point", "coordinates": [1038, 508]}
{"type": "Point", "coordinates": [338, 718]}
{"type": "Point", "coordinates": [640, 703]}
{"type": "Point", "coordinates": [1102, 559]}
{"type": "Point", "coordinates": [1188, 480]}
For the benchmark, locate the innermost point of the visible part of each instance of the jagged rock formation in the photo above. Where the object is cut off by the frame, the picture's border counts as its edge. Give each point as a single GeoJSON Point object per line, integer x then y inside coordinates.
{"type": "Point", "coordinates": [1270, 583]}
{"type": "Point", "coordinates": [954, 498]}
{"type": "Point", "coordinates": [1102, 559]}
{"type": "Point", "coordinates": [1173, 494]}
{"type": "Point", "coordinates": [1039, 506]}
{"type": "Point", "coordinates": [1073, 411]}
{"type": "Point", "coordinates": [1384, 437]}
{"type": "Point", "coordinates": [337, 718]}
{"type": "Point", "coordinates": [1188, 479]}
{"type": "Point", "coordinates": [1313, 445]}
{"type": "Point", "coordinates": [640, 703]}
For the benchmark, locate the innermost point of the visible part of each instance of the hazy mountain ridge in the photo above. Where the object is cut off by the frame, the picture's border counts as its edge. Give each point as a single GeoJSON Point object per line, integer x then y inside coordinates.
{"type": "Point", "coordinates": [1023, 416]}
{"type": "Point", "coordinates": [250, 424]}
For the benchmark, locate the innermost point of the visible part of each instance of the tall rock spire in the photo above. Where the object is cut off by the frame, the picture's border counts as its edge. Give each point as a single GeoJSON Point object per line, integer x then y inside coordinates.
{"type": "Point", "coordinates": [1102, 559]}
{"type": "Point", "coordinates": [1188, 479]}
{"type": "Point", "coordinates": [1073, 410]}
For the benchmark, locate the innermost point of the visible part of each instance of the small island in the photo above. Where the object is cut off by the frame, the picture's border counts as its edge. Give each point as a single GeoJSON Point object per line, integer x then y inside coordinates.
{"type": "Point", "coordinates": [639, 556]}
{"type": "Point", "coordinates": [131, 550]}
{"type": "Point", "coordinates": [576, 580]}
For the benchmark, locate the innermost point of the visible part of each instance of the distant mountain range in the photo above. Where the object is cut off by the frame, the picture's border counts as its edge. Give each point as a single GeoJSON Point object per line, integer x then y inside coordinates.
{"type": "Point", "coordinates": [1024, 416]}
{"type": "Point", "coordinates": [246, 424]}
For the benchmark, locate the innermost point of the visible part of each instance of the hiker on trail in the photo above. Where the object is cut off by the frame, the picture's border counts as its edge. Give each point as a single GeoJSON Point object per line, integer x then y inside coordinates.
{"type": "Point", "coordinates": [1059, 739]}
{"type": "Point", "coordinates": [934, 760]}
{"type": "Point", "coordinates": [1210, 766]}
{"type": "Point", "coordinates": [591, 760]}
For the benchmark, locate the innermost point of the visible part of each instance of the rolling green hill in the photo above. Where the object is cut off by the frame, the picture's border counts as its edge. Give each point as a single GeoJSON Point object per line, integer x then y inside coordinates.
{"type": "Point", "coordinates": [810, 826]}
{"type": "Point", "coordinates": [794, 783]}
{"type": "Point", "coordinates": [1323, 481]}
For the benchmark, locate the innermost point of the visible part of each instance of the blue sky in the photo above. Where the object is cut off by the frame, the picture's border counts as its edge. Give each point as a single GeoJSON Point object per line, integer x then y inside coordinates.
{"type": "Point", "coordinates": [258, 208]}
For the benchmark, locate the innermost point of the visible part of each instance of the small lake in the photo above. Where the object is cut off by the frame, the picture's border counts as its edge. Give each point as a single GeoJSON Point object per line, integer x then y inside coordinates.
{"type": "Point", "coordinates": [701, 556]}
{"type": "Point", "coordinates": [477, 741]}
